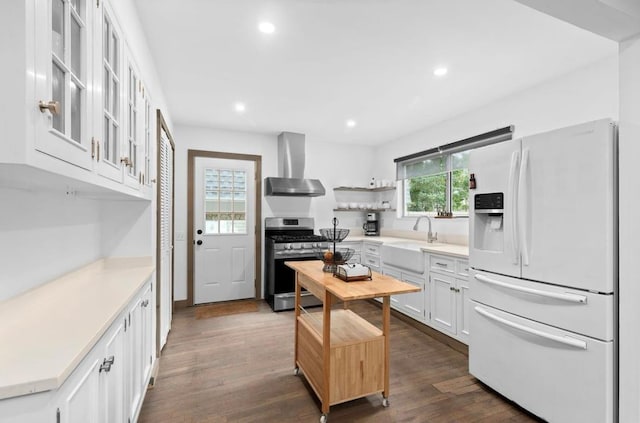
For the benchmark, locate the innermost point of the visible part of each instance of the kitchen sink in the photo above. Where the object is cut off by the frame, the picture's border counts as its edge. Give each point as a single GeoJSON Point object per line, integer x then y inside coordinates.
{"type": "Point", "coordinates": [405, 255]}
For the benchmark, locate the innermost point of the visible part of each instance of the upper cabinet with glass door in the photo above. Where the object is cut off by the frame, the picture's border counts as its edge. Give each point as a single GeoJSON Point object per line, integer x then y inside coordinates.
{"type": "Point", "coordinates": [73, 104]}
{"type": "Point", "coordinates": [108, 75]}
{"type": "Point", "coordinates": [63, 81]}
{"type": "Point", "coordinates": [131, 159]}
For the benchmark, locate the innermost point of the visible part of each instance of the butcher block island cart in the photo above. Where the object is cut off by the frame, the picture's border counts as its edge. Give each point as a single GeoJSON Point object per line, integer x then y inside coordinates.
{"type": "Point", "coordinates": [342, 356]}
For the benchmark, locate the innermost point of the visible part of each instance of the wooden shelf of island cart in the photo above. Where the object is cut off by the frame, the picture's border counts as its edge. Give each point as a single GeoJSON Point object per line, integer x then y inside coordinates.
{"type": "Point", "coordinates": [364, 189]}
{"type": "Point", "coordinates": [365, 210]}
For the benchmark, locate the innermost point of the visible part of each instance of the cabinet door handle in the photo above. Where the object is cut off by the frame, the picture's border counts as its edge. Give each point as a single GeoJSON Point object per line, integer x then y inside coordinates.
{"type": "Point", "coordinates": [97, 150]}
{"type": "Point", "coordinates": [52, 106]}
{"type": "Point", "coordinates": [125, 161]}
{"type": "Point", "coordinates": [442, 264]}
{"type": "Point", "coordinates": [106, 364]}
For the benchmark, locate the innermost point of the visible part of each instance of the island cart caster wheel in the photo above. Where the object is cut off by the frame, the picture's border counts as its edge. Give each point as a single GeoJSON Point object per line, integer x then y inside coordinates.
{"type": "Point", "coordinates": [323, 418]}
{"type": "Point", "coordinates": [296, 371]}
{"type": "Point", "coordinates": [385, 402]}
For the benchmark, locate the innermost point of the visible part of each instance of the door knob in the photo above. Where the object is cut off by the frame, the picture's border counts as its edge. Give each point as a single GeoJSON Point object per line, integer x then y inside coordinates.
{"type": "Point", "coordinates": [199, 231]}
{"type": "Point", "coordinates": [199, 242]}
{"type": "Point", "coordinates": [52, 106]}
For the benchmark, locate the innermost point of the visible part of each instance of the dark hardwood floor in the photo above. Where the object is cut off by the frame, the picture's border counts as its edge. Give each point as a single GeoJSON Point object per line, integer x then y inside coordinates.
{"type": "Point", "coordinates": [239, 368]}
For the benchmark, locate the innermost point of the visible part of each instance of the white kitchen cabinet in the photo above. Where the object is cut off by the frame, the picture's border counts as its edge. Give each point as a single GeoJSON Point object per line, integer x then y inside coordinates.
{"type": "Point", "coordinates": [64, 104]}
{"type": "Point", "coordinates": [109, 383]}
{"type": "Point", "coordinates": [109, 75]}
{"type": "Point", "coordinates": [463, 300]}
{"type": "Point", "coordinates": [112, 371]}
{"type": "Point", "coordinates": [371, 255]}
{"type": "Point", "coordinates": [63, 39]}
{"type": "Point", "coordinates": [413, 304]}
{"type": "Point", "coordinates": [449, 299]}
{"type": "Point", "coordinates": [147, 331]}
{"type": "Point", "coordinates": [139, 350]}
{"type": "Point", "coordinates": [78, 399]}
{"type": "Point", "coordinates": [133, 132]}
{"type": "Point", "coordinates": [443, 303]}
{"type": "Point", "coordinates": [95, 391]}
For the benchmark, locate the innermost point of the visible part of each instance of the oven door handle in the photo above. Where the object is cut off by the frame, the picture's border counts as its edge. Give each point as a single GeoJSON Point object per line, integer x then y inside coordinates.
{"type": "Point", "coordinates": [293, 294]}
{"type": "Point", "coordinates": [566, 340]}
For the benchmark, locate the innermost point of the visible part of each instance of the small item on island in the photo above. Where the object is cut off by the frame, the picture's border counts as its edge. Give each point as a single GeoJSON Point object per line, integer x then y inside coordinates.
{"type": "Point", "coordinates": [443, 214]}
{"type": "Point", "coordinates": [353, 272]}
{"type": "Point", "coordinates": [333, 256]}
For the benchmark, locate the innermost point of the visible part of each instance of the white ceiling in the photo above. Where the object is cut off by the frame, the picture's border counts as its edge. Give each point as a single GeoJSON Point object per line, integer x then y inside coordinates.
{"type": "Point", "coordinates": [367, 60]}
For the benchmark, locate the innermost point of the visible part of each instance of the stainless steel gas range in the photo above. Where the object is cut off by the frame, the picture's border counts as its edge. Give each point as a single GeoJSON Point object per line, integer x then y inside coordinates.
{"type": "Point", "coordinates": [288, 239]}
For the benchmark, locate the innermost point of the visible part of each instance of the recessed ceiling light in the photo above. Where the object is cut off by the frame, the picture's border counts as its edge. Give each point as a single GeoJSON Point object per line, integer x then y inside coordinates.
{"type": "Point", "coordinates": [266, 27]}
{"type": "Point", "coordinates": [239, 107]}
{"type": "Point", "coordinates": [351, 123]}
{"type": "Point", "coordinates": [440, 71]}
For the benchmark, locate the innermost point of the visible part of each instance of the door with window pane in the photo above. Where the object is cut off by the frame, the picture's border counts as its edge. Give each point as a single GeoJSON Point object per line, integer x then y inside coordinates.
{"type": "Point", "coordinates": [224, 196]}
{"type": "Point", "coordinates": [62, 104]}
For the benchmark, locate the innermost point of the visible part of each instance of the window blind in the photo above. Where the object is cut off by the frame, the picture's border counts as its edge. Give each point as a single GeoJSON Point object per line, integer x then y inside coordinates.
{"type": "Point", "coordinates": [434, 160]}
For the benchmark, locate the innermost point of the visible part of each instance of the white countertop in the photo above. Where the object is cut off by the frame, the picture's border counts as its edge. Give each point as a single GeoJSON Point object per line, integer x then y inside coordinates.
{"type": "Point", "coordinates": [48, 330]}
{"type": "Point", "coordinates": [461, 251]}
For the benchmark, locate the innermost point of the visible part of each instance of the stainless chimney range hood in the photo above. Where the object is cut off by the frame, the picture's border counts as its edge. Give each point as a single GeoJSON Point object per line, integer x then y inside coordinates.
{"type": "Point", "coordinates": [291, 160]}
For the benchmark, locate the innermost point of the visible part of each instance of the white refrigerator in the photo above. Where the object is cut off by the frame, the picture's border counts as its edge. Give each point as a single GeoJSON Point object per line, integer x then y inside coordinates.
{"type": "Point", "coordinates": [543, 255]}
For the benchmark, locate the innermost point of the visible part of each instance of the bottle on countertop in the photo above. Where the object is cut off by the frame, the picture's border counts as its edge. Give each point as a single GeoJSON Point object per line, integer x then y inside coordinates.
{"type": "Point", "coordinates": [472, 181]}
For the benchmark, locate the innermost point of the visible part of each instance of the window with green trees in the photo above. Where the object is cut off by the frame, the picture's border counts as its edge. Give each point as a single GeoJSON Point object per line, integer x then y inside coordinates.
{"type": "Point", "coordinates": [437, 179]}
{"type": "Point", "coordinates": [435, 184]}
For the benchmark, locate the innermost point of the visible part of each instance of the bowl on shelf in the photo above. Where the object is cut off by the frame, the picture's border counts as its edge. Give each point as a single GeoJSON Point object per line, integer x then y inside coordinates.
{"type": "Point", "coordinates": [332, 259]}
{"type": "Point", "coordinates": [334, 234]}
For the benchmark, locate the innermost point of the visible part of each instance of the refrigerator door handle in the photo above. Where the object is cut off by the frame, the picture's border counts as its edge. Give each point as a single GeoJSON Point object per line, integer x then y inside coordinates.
{"type": "Point", "coordinates": [564, 296]}
{"type": "Point", "coordinates": [513, 204]}
{"type": "Point", "coordinates": [566, 340]}
{"type": "Point", "coordinates": [523, 212]}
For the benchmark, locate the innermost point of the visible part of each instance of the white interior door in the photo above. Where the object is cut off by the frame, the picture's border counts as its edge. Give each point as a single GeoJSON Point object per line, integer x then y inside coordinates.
{"type": "Point", "coordinates": [165, 299]}
{"type": "Point", "coordinates": [224, 226]}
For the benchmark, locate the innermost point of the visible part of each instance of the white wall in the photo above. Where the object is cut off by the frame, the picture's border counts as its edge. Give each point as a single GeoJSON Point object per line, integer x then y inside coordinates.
{"type": "Point", "coordinates": [126, 229]}
{"type": "Point", "coordinates": [587, 94]}
{"type": "Point", "coordinates": [629, 203]}
{"type": "Point", "coordinates": [44, 235]}
{"type": "Point", "coordinates": [334, 164]}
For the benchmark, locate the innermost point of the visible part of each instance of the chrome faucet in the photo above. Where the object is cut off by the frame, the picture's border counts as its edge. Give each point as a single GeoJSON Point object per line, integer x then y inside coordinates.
{"type": "Point", "coordinates": [430, 236]}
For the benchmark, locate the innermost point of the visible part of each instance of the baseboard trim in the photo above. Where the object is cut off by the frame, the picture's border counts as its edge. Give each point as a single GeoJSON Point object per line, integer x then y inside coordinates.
{"type": "Point", "coordinates": [180, 304]}
{"type": "Point", "coordinates": [154, 373]}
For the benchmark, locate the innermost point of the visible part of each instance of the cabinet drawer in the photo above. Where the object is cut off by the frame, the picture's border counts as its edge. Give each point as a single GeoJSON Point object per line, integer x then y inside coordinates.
{"type": "Point", "coordinates": [373, 249]}
{"type": "Point", "coordinates": [505, 344]}
{"type": "Point", "coordinates": [462, 268]}
{"type": "Point", "coordinates": [578, 311]}
{"type": "Point", "coordinates": [442, 264]}
{"type": "Point", "coordinates": [371, 261]}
